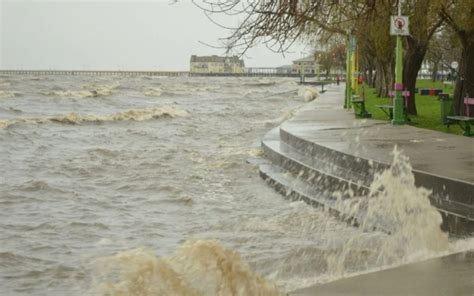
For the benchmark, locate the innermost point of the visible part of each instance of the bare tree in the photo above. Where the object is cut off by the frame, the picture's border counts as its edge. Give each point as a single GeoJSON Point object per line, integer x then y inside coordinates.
{"type": "Point", "coordinates": [279, 23]}
{"type": "Point", "coordinates": [459, 15]}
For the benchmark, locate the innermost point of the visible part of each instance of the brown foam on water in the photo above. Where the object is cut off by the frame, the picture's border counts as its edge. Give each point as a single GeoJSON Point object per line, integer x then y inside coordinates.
{"type": "Point", "coordinates": [74, 118]}
{"type": "Point", "coordinates": [197, 268]}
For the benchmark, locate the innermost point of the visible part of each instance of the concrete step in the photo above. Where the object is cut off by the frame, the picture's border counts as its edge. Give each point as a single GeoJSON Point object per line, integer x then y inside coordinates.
{"type": "Point", "coordinates": [328, 172]}
{"type": "Point", "coordinates": [445, 191]}
{"type": "Point", "coordinates": [294, 188]}
{"type": "Point", "coordinates": [315, 171]}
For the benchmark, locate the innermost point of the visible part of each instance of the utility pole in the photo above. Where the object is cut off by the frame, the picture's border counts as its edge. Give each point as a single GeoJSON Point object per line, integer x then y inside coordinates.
{"type": "Point", "coordinates": [347, 101]}
{"type": "Point", "coordinates": [399, 27]}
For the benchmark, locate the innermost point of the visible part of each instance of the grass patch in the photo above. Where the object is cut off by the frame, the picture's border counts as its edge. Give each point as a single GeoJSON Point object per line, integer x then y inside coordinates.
{"type": "Point", "coordinates": [428, 107]}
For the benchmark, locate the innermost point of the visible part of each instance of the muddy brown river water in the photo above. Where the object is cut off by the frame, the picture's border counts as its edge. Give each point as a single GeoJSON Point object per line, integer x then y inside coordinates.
{"type": "Point", "coordinates": [141, 186]}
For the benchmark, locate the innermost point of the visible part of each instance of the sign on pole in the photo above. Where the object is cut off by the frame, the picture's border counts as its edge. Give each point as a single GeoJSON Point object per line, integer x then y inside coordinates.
{"type": "Point", "coordinates": [454, 65]}
{"type": "Point", "coordinates": [399, 25]}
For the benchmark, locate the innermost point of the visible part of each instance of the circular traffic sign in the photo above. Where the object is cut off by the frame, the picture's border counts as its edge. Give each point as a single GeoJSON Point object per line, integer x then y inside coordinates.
{"type": "Point", "coordinates": [454, 65]}
{"type": "Point", "coordinates": [399, 23]}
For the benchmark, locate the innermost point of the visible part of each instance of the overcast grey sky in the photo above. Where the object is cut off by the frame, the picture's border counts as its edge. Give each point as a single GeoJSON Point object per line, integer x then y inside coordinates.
{"type": "Point", "coordinates": [105, 34]}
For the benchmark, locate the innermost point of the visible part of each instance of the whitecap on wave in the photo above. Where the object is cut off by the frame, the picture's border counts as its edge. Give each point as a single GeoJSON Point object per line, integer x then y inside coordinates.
{"type": "Point", "coordinates": [153, 92]}
{"type": "Point", "coordinates": [74, 118]}
{"type": "Point", "coordinates": [8, 94]}
{"type": "Point", "coordinates": [261, 82]}
{"type": "Point", "coordinates": [91, 90]}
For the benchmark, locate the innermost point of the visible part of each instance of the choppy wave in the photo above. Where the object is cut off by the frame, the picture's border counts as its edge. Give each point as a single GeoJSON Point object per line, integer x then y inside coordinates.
{"type": "Point", "coordinates": [9, 94]}
{"type": "Point", "coordinates": [91, 90]}
{"type": "Point", "coordinates": [197, 268]}
{"type": "Point", "coordinates": [101, 89]}
{"type": "Point", "coordinates": [71, 93]}
{"type": "Point", "coordinates": [184, 90]}
{"type": "Point", "coordinates": [153, 92]}
{"type": "Point", "coordinates": [74, 118]}
{"type": "Point", "coordinates": [261, 82]}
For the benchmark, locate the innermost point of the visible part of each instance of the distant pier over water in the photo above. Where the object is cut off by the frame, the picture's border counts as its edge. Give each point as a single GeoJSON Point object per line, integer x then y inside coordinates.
{"type": "Point", "coordinates": [252, 72]}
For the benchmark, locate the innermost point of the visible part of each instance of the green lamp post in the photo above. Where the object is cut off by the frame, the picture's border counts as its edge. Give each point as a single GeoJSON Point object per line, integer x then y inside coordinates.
{"type": "Point", "coordinates": [399, 27]}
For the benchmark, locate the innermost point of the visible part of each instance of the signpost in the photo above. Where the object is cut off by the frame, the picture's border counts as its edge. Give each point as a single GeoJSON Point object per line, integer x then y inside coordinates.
{"type": "Point", "coordinates": [347, 101]}
{"type": "Point", "coordinates": [454, 66]}
{"type": "Point", "coordinates": [399, 27]}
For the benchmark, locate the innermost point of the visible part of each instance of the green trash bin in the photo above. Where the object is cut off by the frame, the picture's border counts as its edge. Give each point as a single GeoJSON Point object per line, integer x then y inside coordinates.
{"type": "Point", "coordinates": [446, 107]}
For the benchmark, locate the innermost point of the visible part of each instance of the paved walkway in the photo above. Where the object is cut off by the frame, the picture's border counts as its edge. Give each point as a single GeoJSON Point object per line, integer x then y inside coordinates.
{"type": "Point", "coordinates": [325, 122]}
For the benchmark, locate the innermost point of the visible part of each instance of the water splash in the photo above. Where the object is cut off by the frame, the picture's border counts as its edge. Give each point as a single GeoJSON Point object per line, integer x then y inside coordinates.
{"type": "Point", "coordinates": [197, 268]}
{"type": "Point", "coordinates": [403, 211]}
{"type": "Point", "coordinates": [308, 93]}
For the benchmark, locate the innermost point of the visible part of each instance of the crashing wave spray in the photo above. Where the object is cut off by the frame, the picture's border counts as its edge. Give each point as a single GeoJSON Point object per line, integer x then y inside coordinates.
{"type": "Point", "coordinates": [308, 93]}
{"type": "Point", "coordinates": [197, 268]}
{"type": "Point", "coordinates": [395, 205]}
{"type": "Point", "coordinates": [74, 118]}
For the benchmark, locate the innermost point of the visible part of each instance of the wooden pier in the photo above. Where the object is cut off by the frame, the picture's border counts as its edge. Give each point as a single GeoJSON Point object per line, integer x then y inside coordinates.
{"type": "Point", "coordinates": [144, 73]}
{"type": "Point", "coordinates": [94, 73]}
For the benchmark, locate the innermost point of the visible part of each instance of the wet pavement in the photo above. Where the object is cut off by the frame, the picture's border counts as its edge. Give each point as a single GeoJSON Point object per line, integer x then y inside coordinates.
{"type": "Point", "coordinates": [430, 151]}
{"type": "Point", "coordinates": [450, 275]}
{"type": "Point", "coordinates": [441, 162]}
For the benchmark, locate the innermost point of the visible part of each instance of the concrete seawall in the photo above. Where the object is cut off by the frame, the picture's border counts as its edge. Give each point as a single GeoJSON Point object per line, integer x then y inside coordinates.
{"type": "Point", "coordinates": [449, 275]}
{"type": "Point", "coordinates": [325, 149]}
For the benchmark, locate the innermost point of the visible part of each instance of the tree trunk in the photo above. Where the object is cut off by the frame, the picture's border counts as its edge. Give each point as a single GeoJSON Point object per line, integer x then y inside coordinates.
{"type": "Point", "coordinates": [384, 79]}
{"type": "Point", "coordinates": [374, 78]}
{"type": "Point", "coordinates": [412, 63]}
{"type": "Point", "coordinates": [465, 80]}
{"type": "Point", "coordinates": [434, 72]}
{"type": "Point", "coordinates": [389, 79]}
{"type": "Point", "coordinates": [379, 78]}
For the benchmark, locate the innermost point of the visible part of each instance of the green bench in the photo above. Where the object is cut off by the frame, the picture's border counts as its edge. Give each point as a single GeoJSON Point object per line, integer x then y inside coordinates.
{"type": "Point", "coordinates": [464, 121]}
{"type": "Point", "coordinates": [388, 109]}
{"type": "Point", "coordinates": [359, 107]}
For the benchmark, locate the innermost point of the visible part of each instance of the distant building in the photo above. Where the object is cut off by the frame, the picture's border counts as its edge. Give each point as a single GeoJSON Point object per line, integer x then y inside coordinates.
{"type": "Point", "coordinates": [308, 64]}
{"type": "Point", "coordinates": [286, 69]}
{"type": "Point", "coordinates": [216, 64]}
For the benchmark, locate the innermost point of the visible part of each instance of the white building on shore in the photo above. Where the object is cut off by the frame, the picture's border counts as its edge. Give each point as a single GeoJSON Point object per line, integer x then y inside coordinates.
{"type": "Point", "coordinates": [216, 64]}
{"type": "Point", "coordinates": [307, 64]}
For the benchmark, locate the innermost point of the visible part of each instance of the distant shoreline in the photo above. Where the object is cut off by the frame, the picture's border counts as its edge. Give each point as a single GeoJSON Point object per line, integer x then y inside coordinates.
{"type": "Point", "coordinates": [145, 73]}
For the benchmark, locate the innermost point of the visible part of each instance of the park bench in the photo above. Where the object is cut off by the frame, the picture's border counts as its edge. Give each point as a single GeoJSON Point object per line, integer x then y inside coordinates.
{"type": "Point", "coordinates": [430, 91]}
{"type": "Point", "coordinates": [464, 121]}
{"type": "Point", "coordinates": [359, 107]}
{"type": "Point", "coordinates": [388, 109]}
